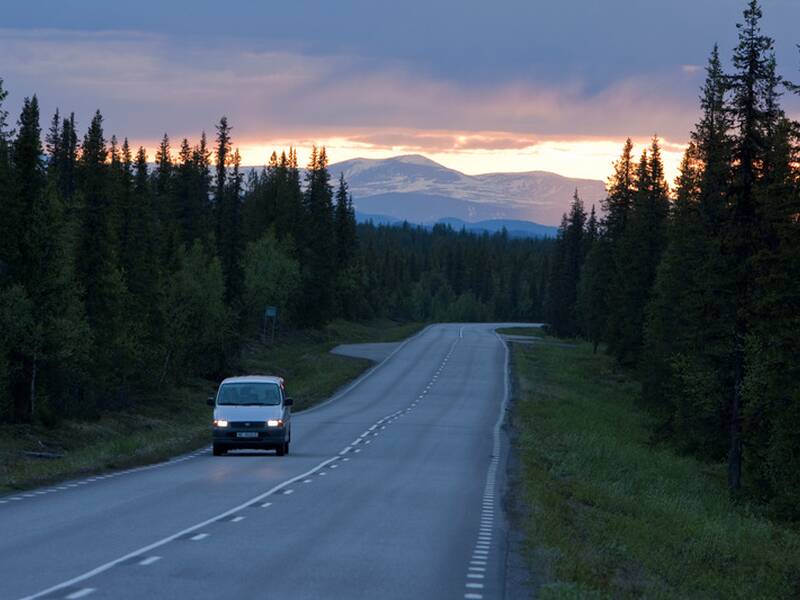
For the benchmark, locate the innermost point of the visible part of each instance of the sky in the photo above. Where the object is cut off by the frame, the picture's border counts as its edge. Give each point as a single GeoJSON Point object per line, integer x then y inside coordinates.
{"type": "Point", "coordinates": [481, 87]}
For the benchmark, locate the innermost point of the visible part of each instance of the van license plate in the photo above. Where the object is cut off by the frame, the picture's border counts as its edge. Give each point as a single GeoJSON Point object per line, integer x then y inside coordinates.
{"type": "Point", "coordinates": [247, 434]}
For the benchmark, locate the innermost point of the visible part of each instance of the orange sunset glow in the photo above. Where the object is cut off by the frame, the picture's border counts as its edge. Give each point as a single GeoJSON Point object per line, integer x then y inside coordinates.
{"type": "Point", "coordinates": [585, 159]}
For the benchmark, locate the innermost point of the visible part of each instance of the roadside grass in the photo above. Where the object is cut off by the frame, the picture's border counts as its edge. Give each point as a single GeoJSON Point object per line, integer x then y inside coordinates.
{"type": "Point", "coordinates": [178, 421]}
{"type": "Point", "coordinates": [611, 515]}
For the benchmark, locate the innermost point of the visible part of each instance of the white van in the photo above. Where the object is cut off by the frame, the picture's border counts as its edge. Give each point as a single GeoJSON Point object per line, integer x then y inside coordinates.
{"type": "Point", "coordinates": [252, 412]}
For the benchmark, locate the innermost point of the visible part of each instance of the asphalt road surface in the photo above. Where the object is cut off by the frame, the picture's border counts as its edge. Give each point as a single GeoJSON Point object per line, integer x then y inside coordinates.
{"type": "Point", "coordinates": [392, 489]}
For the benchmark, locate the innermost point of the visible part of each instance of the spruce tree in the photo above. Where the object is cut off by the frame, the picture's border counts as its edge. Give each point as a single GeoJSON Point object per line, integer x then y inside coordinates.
{"type": "Point", "coordinates": [690, 322]}
{"type": "Point", "coordinates": [230, 243]}
{"type": "Point", "coordinates": [350, 277]}
{"type": "Point", "coordinates": [679, 380]}
{"type": "Point", "coordinates": [568, 257]}
{"type": "Point", "coordinates": [319, 247]}
{"type": "Point", "coordinates": [100, 279]}
{"type": "Point", "coordinates": [754, 101]}
{"type": "Point", "coordinates": [636, 257]}
{"type": "Point", "coordinates": [621, 190]}
{"type": "Point", "coordinates": [345, 224]}
{"type": "Point", "coordinates": [770, 389]}
{"type": "Point", "coordinates": [56, 335]}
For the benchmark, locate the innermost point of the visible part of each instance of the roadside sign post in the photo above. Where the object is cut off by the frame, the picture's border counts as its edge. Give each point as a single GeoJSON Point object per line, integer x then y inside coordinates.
{"type": "Point", "coordinates": [270, 314]}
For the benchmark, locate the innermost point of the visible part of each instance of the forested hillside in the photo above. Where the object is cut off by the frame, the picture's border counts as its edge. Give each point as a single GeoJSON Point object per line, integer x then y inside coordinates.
{"type": "Point", "coordinates": [118, 278]}
{"type": "Point", "coordinates": [699, 288]}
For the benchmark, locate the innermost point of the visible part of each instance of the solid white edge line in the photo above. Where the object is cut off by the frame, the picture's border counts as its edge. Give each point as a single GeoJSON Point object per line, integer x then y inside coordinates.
{"type": "Point", "coordinates": [138, 552]}
{"type": "Point", "coordinates": [482, 546]}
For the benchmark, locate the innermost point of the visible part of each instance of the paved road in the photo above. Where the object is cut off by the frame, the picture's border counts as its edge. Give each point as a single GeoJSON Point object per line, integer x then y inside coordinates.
{"type": "Point", "coordinates": [392, 490]}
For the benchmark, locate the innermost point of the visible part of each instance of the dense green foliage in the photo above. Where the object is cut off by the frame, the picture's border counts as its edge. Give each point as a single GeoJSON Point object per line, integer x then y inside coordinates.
{"type": "Point", "coordinates": [700, 291]}
{"type": "Point", "coordinates": [118, 277]}
{"type": "Point", "coordinates": [443, 275]}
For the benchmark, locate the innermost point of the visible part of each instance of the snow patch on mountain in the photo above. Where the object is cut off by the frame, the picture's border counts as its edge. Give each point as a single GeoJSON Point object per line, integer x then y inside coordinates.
{"type": "Point", "coordinates": [537, 196]}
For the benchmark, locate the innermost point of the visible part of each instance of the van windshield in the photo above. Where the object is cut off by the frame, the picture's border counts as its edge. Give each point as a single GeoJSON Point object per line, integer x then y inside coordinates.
{"type": "Point", "coordinates": [249, 394]}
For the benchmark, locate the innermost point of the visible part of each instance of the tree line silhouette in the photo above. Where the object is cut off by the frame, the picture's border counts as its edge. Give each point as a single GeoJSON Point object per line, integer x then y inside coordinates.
{"type": "Point", "coordinates": [120, 277]}
{"type": "Point", "coordinates": [700, 292]}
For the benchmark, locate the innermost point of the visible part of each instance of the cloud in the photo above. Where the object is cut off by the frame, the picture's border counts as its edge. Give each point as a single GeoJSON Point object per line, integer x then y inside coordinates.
{"type": "Point", "coordinates": [145, 84]}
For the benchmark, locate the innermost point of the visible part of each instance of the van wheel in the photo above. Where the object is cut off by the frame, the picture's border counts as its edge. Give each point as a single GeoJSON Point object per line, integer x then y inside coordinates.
{"type": "Point", "coordinates": [217, 450]}
{"type": "Point", "coordinates": [281, 450]}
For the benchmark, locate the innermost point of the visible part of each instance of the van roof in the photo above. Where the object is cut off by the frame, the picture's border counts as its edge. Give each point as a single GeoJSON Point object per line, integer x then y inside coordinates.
{"type": "Point", "coordinates": [254, 379]}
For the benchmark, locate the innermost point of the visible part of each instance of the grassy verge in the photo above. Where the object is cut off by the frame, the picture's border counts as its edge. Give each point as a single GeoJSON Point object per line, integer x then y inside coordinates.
{"type": "Point", "coordinates": [179, 420]}
{"type": "Point", "coordinates": [609, 515]}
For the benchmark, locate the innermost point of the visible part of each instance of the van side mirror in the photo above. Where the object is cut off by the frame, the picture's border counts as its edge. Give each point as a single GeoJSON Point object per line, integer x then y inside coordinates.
{"type": "Point", "coordinates": [210, 401]}
{"type": "Point", "coordinates": [288, 402]}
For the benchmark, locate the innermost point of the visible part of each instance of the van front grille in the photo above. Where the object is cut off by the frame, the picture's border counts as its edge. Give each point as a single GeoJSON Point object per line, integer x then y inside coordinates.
{"type": "Point", "coordinates": [247, 424]}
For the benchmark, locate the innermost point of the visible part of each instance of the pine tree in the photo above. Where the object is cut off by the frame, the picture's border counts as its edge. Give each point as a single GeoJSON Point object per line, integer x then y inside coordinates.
{"type": "Point", "coordinates": [599, 285]}
{"type": "Point", "coordinates": [569, 254]}
{"type": "Point", "coordinates": [143, 268]}
{"type": "Point", "coordinates": [66, 163]}
{"type": "Point", "coordinates": [228, 210]}
{"type": "Point", "coordinates": [593, 283]}
{"type": "Point", "coordinates": [689, 329]}
{"type": "Point", "coordinates": [294, 210]}
{"type": "Point", "coordinates": [56, 333]}
{"type": "Point", "coordinates": [770, 389]}
{"type": "Point", "coordinates": [621, 190]}
{"type": "Point", "coordinates": [349, 284]}
{"type": "Point", "coordinates": [636, 258]}
{"type": "Point", "coordinates": [222, 158]}
{"type": "Point", "coordinates": [755, 93]}
{"type": "Point", "coordinates": [319, 245]}
{"type": "Point", "coordinates": [712, 143]}
{"type": "Point", "coordinates": [679, 381]}
{"type": "Point", "coordinates": [345, 218]}
{"type": "Point", "coordinates": [97, 263]}
{"type": "Point", "coordinates": [201, 217]}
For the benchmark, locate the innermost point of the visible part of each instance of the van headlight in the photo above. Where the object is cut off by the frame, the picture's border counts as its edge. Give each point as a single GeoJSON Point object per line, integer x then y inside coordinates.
{"type": "Point", "coordinates": [275, 423]}
{"type": "Point", "coordinates": [220, 423]}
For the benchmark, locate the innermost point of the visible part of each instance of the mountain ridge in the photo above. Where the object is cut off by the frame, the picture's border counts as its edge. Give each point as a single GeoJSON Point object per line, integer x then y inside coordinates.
{"type": "Point", "coordinates": [401, 186]}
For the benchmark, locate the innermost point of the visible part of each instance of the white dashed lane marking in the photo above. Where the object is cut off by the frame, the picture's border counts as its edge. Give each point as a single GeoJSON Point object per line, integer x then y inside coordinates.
{"type": "Point", "coordinates": [79, 594]}
{"type": "Point", "coordinates": [198, 537]}
{"type": "Point", "coordinates": [149, 560]}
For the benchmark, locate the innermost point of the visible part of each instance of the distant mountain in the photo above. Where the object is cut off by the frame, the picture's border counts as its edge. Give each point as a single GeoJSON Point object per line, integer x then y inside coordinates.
{"type": "Point", "coordinates": [516, 229]}
{"type": "Point", "coordinates": [417, 189]}
{"type": "Point", "coordinates": [416, 207]}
